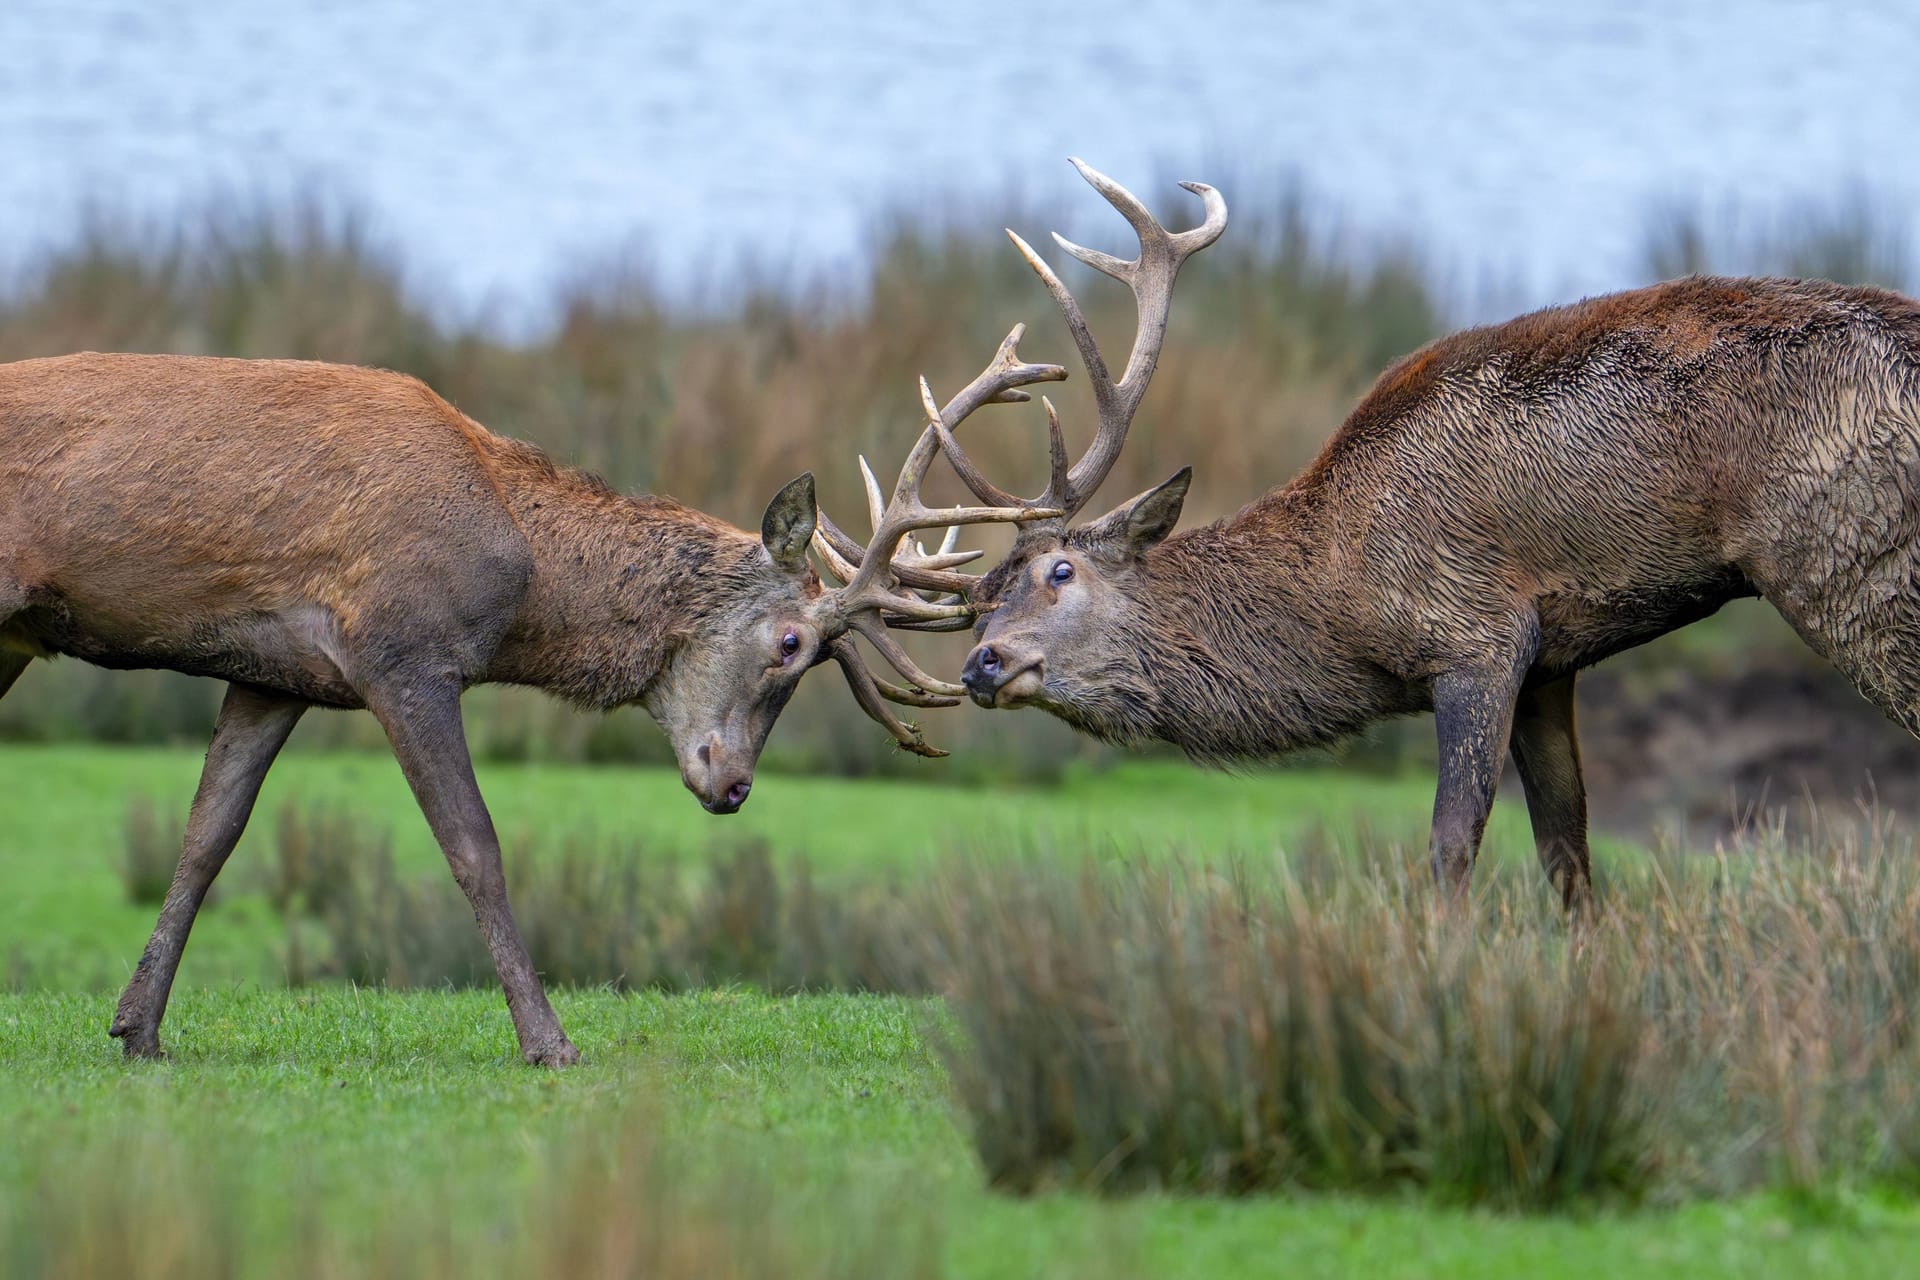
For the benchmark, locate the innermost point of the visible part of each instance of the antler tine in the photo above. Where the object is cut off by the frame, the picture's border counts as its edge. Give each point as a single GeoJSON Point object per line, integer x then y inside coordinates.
{"type": "Point", "coordinates": [865, 589]}
{"type": "Point", "coordinates": [879, 581]}
{"type": "Point", "coordinates": [837, 565]}
{"type": "Point", "coordinates": [935, 625]}
{"type": "Point", "coordinates": [1150, 276]}
{"type": "Point", "coordinates": [876, 634]}
{"type": "Point", "coordinates": [869, 694]}
{"type": "Point", "coordinates": [1056, 493]}
{"type": "Point", "coordinates": [1057, 488]}
{"type": "Point", "coordinates": [945, 420]}
{"type": "Point", "coordinates": [876, 505]}
{"type": "Point", "coordinates": [842, 543]}
{"type": "Point", "coordinates": [843, 557]}
{"type": "Point", "coordinates": [905, 513]}
{"type": "Point", "coordinates": [1070, 311]}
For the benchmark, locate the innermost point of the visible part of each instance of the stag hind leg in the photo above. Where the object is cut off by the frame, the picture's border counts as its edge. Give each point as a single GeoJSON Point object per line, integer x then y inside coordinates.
{"type": "Point", "coordinates": [252, 727]}
{"type": "Point", "coordinates": [1547, 754]}
{"type": "Point", "coordinates": [1867, 625]}
{"type": "Point", "coordinates": [1838, 554]}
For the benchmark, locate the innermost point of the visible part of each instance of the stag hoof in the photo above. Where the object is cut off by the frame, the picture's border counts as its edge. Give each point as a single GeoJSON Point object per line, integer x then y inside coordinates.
{"type": "Point", "coordinates": [138, 1042]}
{"type": "Point", "coordinates": [559, 1053]}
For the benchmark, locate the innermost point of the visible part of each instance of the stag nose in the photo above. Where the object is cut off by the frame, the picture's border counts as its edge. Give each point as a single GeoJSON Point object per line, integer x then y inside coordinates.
{"type": "Point", "coordinates": [1004, 674]}
{"type": "Point", "coordinates": [984, 674]}
{"type": "Point", "coordinates": [732, 796]}
{"type": "Point", "coordinates": [718, 777]}
{"type": "Point", "coordinates": [981, 675]}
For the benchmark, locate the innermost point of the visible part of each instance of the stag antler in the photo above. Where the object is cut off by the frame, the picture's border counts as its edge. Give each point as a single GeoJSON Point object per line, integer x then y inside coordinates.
{"type": "Point", "coordinates": [1151, 277]}
{"type": "Point", "coordinates": [879, 581]}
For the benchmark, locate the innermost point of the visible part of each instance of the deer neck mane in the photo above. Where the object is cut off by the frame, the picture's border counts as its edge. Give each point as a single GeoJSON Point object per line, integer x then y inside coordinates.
{"type": "Point", "coordinates": [1243, 637]}
{"type": "Point", "coordinates": [617, 584]}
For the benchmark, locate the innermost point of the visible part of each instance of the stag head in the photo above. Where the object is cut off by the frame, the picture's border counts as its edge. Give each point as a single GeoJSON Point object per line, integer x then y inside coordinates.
{"type": "Point", "coordinates": [773, 621]}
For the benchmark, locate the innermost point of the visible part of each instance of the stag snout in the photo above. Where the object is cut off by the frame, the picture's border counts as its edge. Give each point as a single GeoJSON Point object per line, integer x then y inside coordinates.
{"type": "Point", "coordinates": [720, 785]}
{"type": "Point", "coordinates": [1000, 674]}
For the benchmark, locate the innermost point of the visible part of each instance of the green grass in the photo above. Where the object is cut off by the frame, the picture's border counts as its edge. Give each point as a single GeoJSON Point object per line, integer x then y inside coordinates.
{"type": "Point", "coordinates": [376, 1105]}
{"type": "Point", "coordinates": [337, 1111]}
{"type": "Point", "coordinates": [65, 921]}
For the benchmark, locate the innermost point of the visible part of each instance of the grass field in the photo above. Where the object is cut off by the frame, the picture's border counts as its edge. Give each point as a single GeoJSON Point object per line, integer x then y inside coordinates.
{"type": "Point", "coordinates": [323, 1131]}
{"type": "Point", "coordinates": [366, 1111]}
{"type": "Point", "coordinates": [64, 916]}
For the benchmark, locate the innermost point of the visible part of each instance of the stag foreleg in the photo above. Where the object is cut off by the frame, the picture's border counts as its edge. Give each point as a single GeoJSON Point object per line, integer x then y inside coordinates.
{"type": "Point", "coordinates": [422, 720]}
{"type": "Point", "coordinates": [1547, 754]}
{"type": "Point", "coordinates": [1473, 715]}
{"type": "Point", "coordinates": [252, 727]}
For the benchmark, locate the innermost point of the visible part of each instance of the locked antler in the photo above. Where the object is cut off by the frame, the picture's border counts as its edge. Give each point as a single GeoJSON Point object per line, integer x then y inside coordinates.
{"type": "Point", "coordinates": [882, 583]}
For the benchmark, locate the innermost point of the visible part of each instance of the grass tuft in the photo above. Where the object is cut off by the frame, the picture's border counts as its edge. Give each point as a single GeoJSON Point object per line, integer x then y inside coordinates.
{"type": "Point", "coordinates": [1178, 1027]}
{"type": "Point", "coordinates": [593, 913]}
{"type": "Point", "coordinates": [150, 853]}
{"type": "Point", "coordinates": [612, 1198]}
{"type": "Point", "coordinates": [1719, 1025]}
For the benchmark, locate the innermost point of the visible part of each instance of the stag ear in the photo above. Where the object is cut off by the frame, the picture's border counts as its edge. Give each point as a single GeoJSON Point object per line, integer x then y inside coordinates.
{"type": "Point", "coordinates": [1138, 523]}
{"type": "Point", "coordinates": [788, 525]}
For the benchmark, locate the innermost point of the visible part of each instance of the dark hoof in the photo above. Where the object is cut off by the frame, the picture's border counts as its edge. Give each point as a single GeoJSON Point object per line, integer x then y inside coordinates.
{"type": "Point", "coordinates": [138, 1042]}
{"type": "Point", "coordinates": [562, 1054]}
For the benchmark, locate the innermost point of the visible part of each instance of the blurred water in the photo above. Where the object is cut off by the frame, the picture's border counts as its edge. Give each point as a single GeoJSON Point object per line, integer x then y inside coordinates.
{"type": "Point", "coordinates": [499, 143]}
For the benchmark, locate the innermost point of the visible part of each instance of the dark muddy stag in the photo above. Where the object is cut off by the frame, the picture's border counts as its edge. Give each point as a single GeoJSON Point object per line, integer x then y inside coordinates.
{"type": "Point", "coordinates": [318, 535]}
{"type": "Point", "coordinates": [1506, 506]}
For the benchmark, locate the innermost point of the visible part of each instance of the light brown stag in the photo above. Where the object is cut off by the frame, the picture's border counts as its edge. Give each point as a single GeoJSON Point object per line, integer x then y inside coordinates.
{"type": "Point", "coordinates": [1506, 506]}
{"type": "Point", "coordinates": [318, 535]}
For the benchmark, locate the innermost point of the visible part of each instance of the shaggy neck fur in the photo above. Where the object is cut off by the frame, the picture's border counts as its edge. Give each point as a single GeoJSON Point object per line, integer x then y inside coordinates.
{"type": "Point", "coordinates": [618, 582]}
{"type": "Point", "coordinates": [1226, 652]}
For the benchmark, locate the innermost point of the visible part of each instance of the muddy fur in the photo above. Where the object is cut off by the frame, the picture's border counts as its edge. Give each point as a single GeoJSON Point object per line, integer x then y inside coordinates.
{"type": "Point", "coordinates": [1178, 671]}
{"type": "Point", "coordinates": [1507, 506]}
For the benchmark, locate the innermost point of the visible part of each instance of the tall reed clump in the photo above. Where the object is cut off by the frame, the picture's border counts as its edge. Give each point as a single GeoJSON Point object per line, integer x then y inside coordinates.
{"type": "Point", "coordinates": [1852, 239]}
{"type": "Point", "coordinates": [149, 852]}
{"type": "Point", "coordinates": [1180, 1027]}
{"type": "Point", "coordinates": [593, 913]}
{"type": "Point", "coordinates": [611, 1198]}
{"type": "Point", "coordinates": [1785, 979]}
{"type": "Point", "coordinates": [1718, 1025]}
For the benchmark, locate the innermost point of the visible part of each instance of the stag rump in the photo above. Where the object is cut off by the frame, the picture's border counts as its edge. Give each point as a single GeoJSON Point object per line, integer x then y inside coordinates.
{"type": "Point", "coordinates": [317, 535]}
{"type": "Point", "coordinates": [1505, 507]}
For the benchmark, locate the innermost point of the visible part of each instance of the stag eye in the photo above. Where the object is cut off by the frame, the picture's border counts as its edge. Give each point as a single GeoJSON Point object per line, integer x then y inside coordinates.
{"type": "Point", "coordinates": [789, 645]}
{"type": "Point", "coordinates": [1061, 572]}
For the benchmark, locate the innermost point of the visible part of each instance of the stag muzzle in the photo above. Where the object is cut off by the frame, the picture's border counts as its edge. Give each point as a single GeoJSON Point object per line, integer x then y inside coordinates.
{"type": "Point", "coordinates": [719, 782]}
{"type": "Point", "coordinates": [1000, 674]}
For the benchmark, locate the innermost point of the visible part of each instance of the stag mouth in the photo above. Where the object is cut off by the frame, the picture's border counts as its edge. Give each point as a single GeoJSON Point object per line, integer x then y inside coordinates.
{"type": "Point", "coordinates": [1026, 686]}
{"type": "Point", "coordinates": [998, 678]}
{"type": "Point", "coordinates": [1017, 690]}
